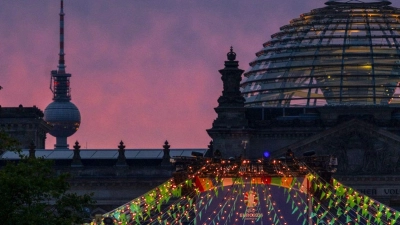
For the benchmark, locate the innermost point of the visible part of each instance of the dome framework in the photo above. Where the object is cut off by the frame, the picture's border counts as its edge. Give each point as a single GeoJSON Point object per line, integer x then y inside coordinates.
{"type": "Point", "coordinates": [347, 53]}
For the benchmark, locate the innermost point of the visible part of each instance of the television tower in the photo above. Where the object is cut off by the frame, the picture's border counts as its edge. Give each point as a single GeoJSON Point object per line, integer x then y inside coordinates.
{"type": "Point", "coordinates": [62, 114]}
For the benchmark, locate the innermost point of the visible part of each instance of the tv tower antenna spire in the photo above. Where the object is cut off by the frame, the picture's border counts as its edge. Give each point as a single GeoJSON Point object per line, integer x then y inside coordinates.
{"type": "Point", "coordinates": [61, 60]}
{"type": "Point", "coordinates": [59, 82]}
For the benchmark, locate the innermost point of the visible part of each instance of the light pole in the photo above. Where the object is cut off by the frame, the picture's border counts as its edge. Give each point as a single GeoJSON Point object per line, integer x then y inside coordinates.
{"type": "Point", "coordinates": [244, 143]}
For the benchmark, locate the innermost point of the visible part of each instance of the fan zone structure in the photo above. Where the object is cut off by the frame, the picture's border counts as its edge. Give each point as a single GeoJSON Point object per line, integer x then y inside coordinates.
{"type": "Point", "coordinates": [282, 191]}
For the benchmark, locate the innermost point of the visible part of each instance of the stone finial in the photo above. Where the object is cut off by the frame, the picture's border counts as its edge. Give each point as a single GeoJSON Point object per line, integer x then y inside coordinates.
{"type": "Point", "coordinates": [231, 55]}
{"type": "Point", "coordinates": [32, 150]}
{"type": "Point", "coordinates": [77, 147]}
{"type": "Point", "coordinates": [121, 155]}
{"type": "Point", "coordinates": [166, 146]}
{"type": "Point", "coordinates": [166, 157]}
{"type": "Point", "coordinates": [121, 145]}
{"type": "Point", "coordinates": [210, 150]}
{"type": "Point", "coordinates": [76, 160]}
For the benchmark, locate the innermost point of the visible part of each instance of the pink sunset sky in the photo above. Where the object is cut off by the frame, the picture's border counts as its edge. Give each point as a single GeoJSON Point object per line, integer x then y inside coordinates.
{"type": "Point", "coordinates": [143, 71]}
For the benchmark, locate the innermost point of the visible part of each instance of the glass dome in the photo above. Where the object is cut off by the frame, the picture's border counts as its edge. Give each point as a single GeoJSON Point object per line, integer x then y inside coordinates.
{"type": "Point", "coordinates": [346, 53]}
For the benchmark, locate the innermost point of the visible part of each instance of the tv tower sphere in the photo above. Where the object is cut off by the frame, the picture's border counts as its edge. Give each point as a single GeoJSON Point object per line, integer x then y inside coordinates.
{"type": "Point", "coordinates": [62, 114]}
{"type": "Point", "coordinates": [64, 117]}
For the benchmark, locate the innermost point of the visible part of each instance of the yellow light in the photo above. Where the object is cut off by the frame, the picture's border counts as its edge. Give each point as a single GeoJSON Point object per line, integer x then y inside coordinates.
{"type": "Point", "coordinates": [367, 67]}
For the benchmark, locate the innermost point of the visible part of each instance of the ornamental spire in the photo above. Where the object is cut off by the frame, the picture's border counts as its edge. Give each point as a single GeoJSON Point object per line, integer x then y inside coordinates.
{"type": "Point", "coordinates": [61, 60]}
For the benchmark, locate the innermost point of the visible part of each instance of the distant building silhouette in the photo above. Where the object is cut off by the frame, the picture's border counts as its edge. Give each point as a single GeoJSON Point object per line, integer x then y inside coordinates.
{"type": "Point", "coordinates": [25, 124]}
